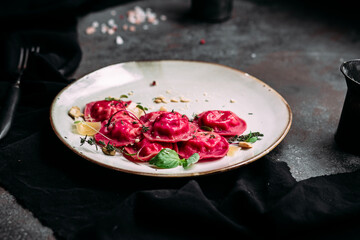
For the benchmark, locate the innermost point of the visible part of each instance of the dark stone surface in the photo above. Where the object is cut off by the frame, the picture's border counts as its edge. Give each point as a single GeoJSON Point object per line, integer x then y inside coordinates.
{"type": "Point", "coordinates": [295, 49]}
{"type": "Point", "coordinates": [18, 223]}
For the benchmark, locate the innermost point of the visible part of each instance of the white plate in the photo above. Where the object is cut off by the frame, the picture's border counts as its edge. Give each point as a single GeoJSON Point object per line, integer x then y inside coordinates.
{"type": "Point", "coordinates": [209, 87]}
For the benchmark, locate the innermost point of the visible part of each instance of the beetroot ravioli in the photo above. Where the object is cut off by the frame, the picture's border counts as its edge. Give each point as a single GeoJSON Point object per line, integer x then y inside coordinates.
{"type": "Point", "coordinates": [163, 132]}
{"type": "Point", "coordinates": [119, 130]}
{"type": "Point", "coordinates": [169, 127]}
{"type": "Point", "coordinates": [208, 145]}
{"type": "Point", "coordinates": [102, 110]}
{"type": "Point", "coordinates": [145, 150]}
{"type": "Point", "coordinates": [225, 123]}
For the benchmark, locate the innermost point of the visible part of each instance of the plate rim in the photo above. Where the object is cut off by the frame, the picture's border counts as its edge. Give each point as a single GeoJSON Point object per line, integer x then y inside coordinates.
{"type": "Point", "coordinates": [179, 175]}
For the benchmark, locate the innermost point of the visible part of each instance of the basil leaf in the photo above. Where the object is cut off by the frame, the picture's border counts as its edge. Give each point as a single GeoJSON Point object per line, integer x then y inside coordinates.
{"type": "Point", "coordinates": [191, 160]}
{"type": "Point", "coordinates": [252, 139]}
{"type": "Point", "coordinates": [166, 158]}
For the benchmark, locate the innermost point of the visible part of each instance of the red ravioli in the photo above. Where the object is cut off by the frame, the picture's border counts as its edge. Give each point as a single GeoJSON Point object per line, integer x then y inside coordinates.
{"type": "Point", "coordinates": [225, 123]}
{"type": "Point", "coordinates": [169, 127]}
{"type": "Point", "coordinates": [146, 150]}
{"type": "Point", "coordinates": [102, 110]}
{"type": "Point", "coordinates": [122, 131]}
{"type": "Point", "coordinates": [150, 117]}
{"type": "Point", "coordinates": [208, 145]}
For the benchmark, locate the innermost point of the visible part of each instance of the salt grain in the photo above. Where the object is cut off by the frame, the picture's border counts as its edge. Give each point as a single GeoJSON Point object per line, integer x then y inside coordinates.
{"type": "Point", "coordinates": [111, 31]}
{"type": "Point", "coordinates": [132, 28]}
{"type": "Point", "coordinates": [90, 30]}
{"type": "Point", "coordinates": [104, 28]}
{"type": "Point", "coordinates": [95, 24]}
{"type": "Point", "coordinates": [119, 40]}
{"type": "Point", "coordinates": [111, 22]}
{"type": "Point", "coordinates": [135, 16]}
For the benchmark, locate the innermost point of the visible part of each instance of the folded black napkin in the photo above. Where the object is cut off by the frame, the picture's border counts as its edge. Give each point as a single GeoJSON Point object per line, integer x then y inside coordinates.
{"type": "Point", "coordinates": [50, 25]}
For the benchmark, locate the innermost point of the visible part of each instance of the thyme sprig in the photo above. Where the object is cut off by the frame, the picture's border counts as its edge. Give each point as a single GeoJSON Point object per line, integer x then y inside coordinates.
{"type": "Point", "coordinates": [108, 147]}
{"type": "Point", "coordinates": [144, 128]}
{"type": "Point", "coordinates": [251, 137]}
{"type": "Point", "coordinates": [141, 107]}
{"type": "Point", "coordinates": [91, 141]}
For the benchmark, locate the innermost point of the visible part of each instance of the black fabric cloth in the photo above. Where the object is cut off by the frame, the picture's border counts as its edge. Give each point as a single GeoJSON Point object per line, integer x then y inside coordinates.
{"type": "Point", "coordinates": [50, 25]}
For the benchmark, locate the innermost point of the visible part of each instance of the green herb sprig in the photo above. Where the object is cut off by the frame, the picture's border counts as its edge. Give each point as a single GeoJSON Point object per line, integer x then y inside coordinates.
{"type": "Point", "coordinates": [168, 158]}
{"type": "Point", "coordinates": [144, 128]}
{"type": "Point", "coordinates": [251, 137]}
{"type": "Point", "coordinates": [144, 109]}
{"type": "Point", "coordinates": [91, 141]}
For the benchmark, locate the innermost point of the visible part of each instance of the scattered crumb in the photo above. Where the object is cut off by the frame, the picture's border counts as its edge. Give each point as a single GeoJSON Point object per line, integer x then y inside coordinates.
{"type": "Point", "coordinates": [232, 101]}
{"type": "Point", "coordinates": [245, 145]}
{"type": "Point", "coordinates": [160, 99]}
{"type": "Point", "coordinates": [75, 112]}
{"type": "Point", "coordinates": [174, 100]}
{"type": "Point", "coordinates": [162, 108]}
{"type": "Point", "coordinates": [185, 100]}
{"type": "Point", "coordinates": [232, 150]}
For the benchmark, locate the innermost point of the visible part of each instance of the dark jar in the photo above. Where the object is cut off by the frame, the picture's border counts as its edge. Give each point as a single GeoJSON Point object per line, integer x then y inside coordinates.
{"type": "Point", "coordinates": [211, 10]}
{"type": "Point", "coordinates": [347, 135]}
